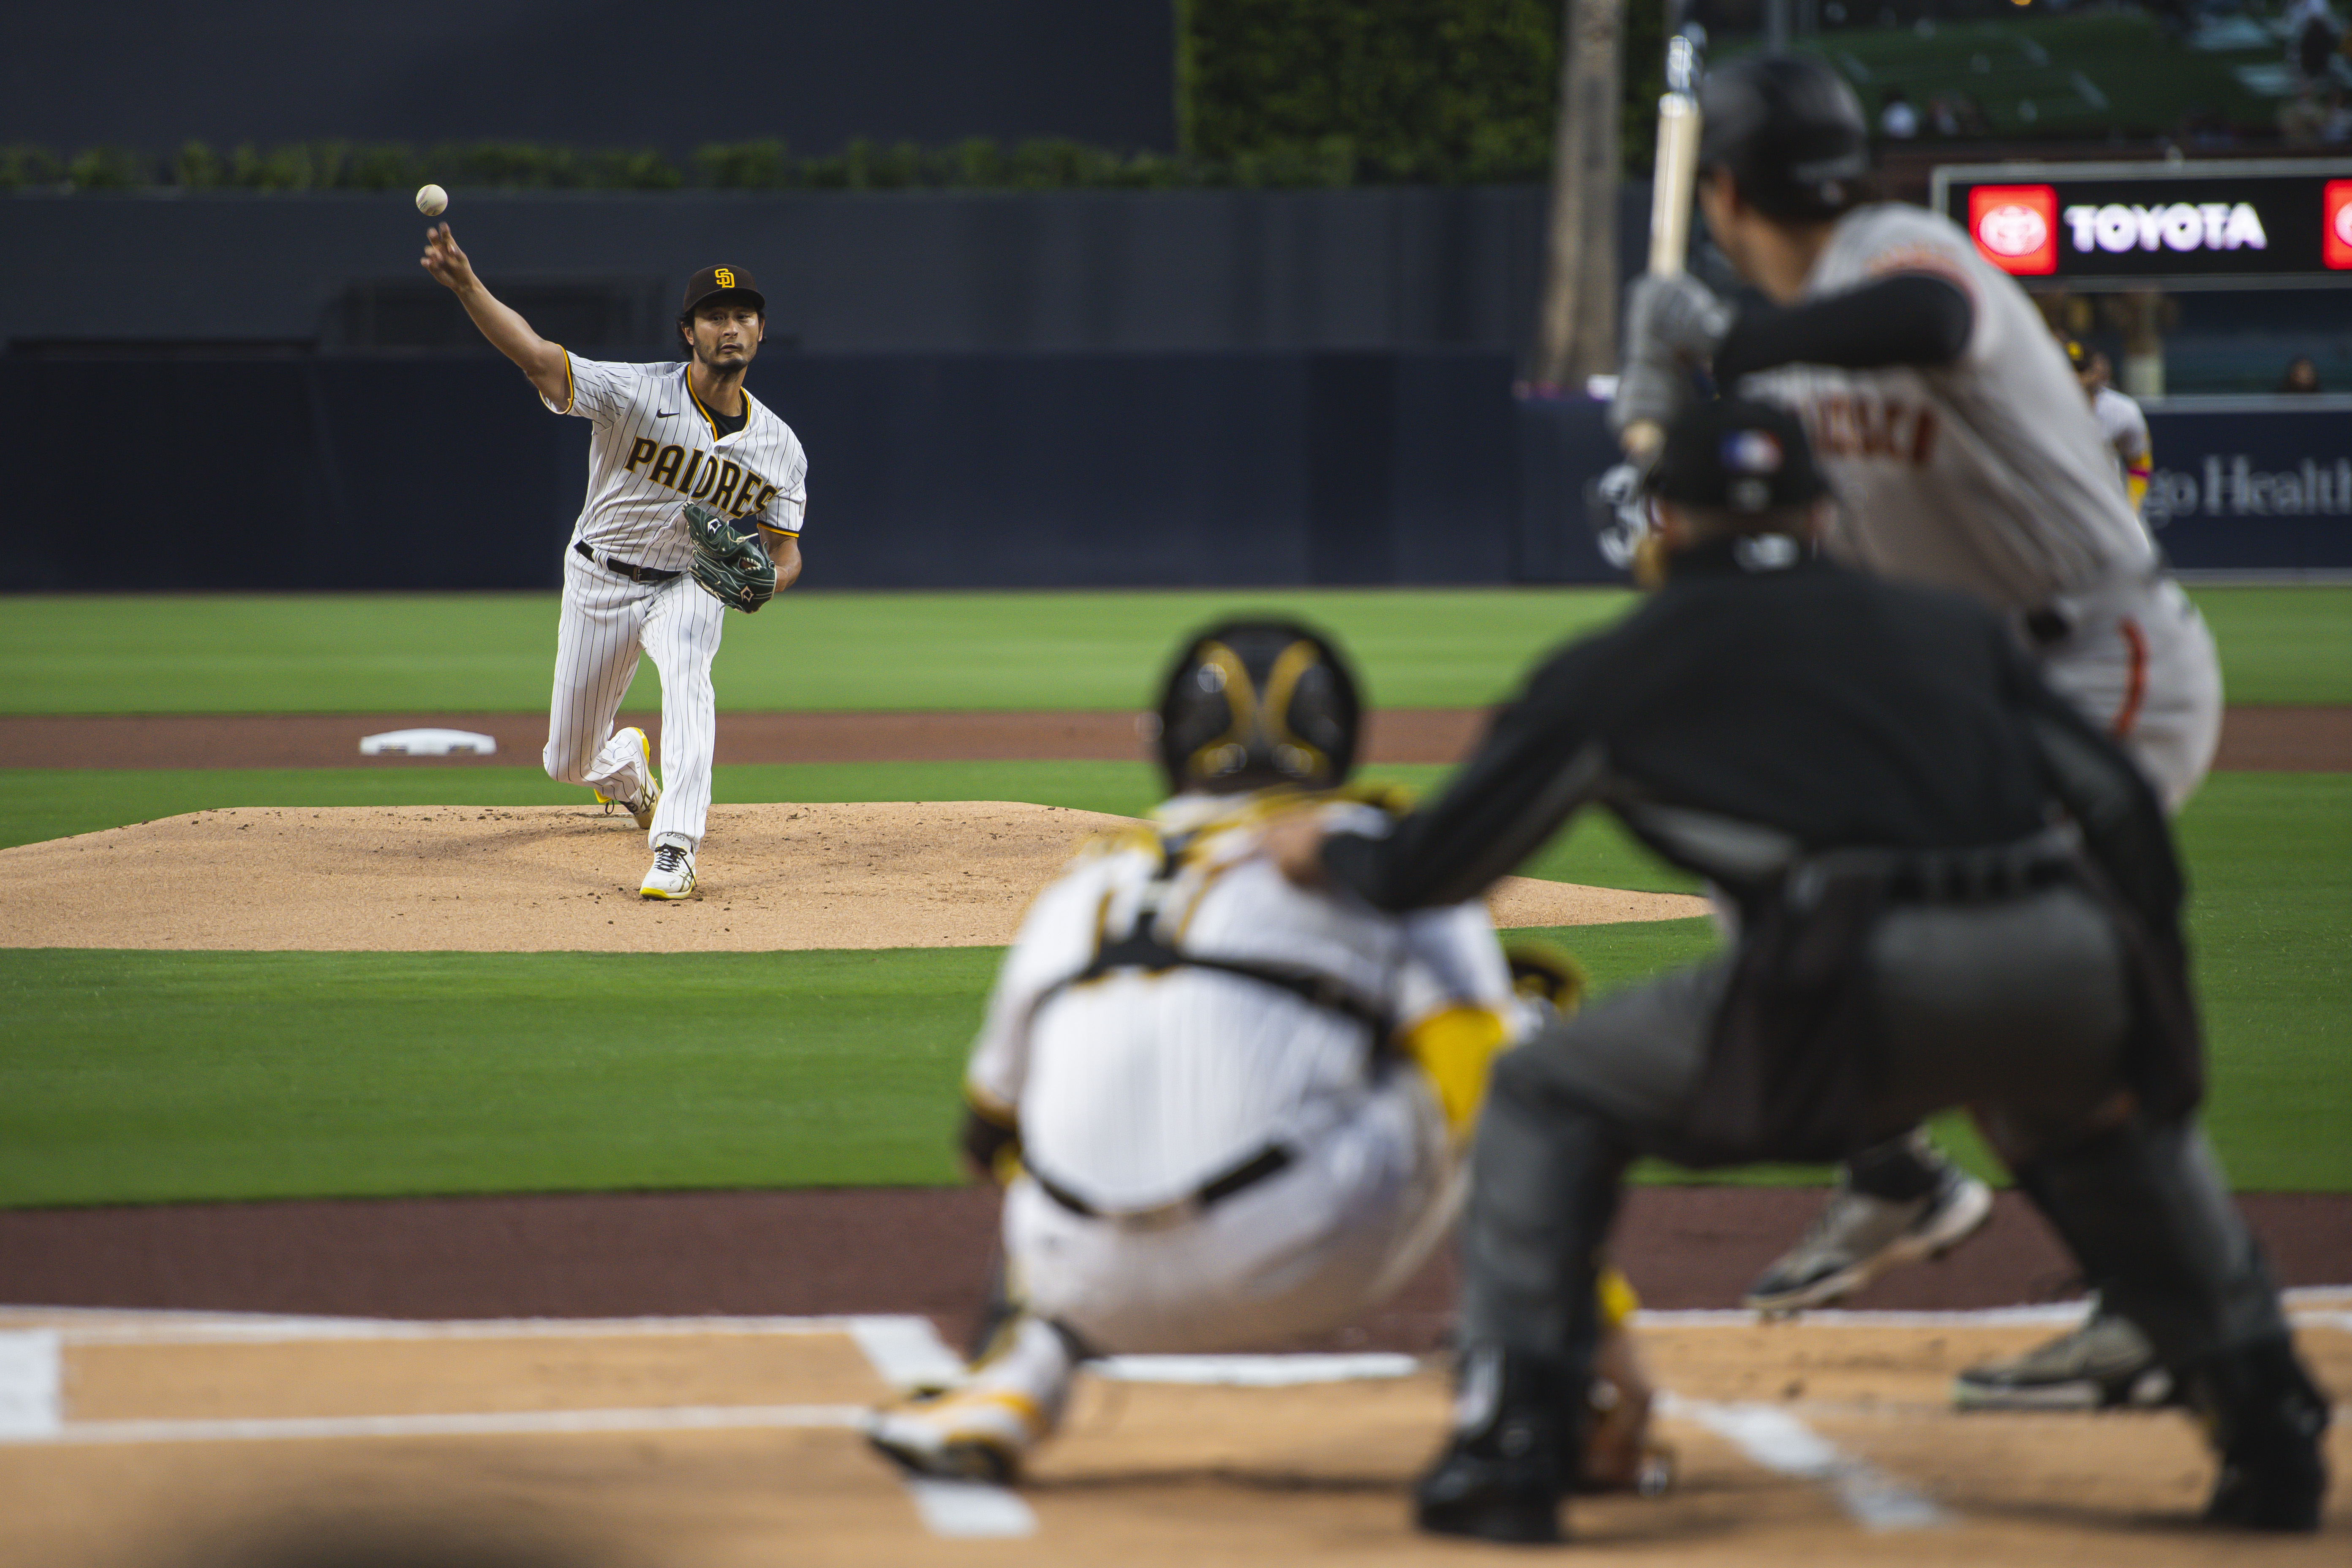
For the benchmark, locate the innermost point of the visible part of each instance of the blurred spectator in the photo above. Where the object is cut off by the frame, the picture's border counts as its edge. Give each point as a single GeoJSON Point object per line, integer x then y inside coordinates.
{"type": "Point", "coordinates": [2205, 129]}
{"type": "Point", "coordinates": [1897, 121]}
{"type": "Point", "coordinates": [1955, 114]}
{"type": "Point", "coordinates": [2336, 128]}
{"type": "Point", "coordinates": [2303, 120]}
{"type": "Point", "coordinates": [2302, 375]}
{"type": "Point", "coordinates": [2311, 35]}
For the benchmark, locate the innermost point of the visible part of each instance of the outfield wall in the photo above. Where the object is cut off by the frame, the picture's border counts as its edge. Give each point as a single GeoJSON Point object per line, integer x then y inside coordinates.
{"type": "Point", "coordinates": [947, 471]}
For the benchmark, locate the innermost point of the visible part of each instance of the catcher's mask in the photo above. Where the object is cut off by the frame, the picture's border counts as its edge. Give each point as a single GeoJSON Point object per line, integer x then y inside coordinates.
{"type": "Point", "coordinates": [1249, 704]}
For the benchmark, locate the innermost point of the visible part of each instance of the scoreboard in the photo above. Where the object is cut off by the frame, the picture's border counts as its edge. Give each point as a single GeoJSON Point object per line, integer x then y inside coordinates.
{"type": "Point", "coordinates": [2190, 224]}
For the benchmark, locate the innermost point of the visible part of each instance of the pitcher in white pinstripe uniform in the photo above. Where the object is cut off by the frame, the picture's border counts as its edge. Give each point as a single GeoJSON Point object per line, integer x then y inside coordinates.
{"type": "Point", "coordinates": [664, 434]}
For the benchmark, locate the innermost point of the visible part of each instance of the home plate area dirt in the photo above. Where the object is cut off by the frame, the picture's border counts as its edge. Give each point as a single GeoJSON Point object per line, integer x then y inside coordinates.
{"type": "Point", "coordinates": [187, 1441]}
{"type": "Point", "coordinates": [558, 878]}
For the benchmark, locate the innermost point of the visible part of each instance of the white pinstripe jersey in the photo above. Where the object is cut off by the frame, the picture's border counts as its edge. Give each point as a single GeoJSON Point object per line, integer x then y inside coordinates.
{"type": "Point", "coordinates": [1989, 474]}
{"type": "Point", "coordinates": [1135, 1089]}
{"type": "Point", "coordinates": [655, 449]}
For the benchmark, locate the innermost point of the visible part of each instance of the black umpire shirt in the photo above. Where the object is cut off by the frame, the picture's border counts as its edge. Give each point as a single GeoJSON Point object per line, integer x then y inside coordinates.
{"type": "Point", "coordinates": [1766, 704]}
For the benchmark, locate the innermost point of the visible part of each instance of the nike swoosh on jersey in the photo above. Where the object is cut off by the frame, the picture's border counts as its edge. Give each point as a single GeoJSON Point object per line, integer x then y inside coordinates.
{"type": "Point", "coordinates": [670, 413]}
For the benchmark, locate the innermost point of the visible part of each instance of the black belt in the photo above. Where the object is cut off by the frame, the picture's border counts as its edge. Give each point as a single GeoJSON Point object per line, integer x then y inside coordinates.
{"type": "Point", "coordinates": [1989, 874]}
{"type": "Point", "coordinates": [1266, 1162]}
{"type": "Point", "coordinates": [623, 568]}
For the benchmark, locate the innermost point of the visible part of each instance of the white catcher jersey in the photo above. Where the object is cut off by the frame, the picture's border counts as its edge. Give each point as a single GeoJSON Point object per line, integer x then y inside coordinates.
{"type": "Point", "coordinates": [2125, 429]}
{"type": "Point", "coordinates": [656, 449]}
{"type": "Point", "coordinates": [1990, 474]}
{"type": "Point", "coordinates": [1134, 1091]}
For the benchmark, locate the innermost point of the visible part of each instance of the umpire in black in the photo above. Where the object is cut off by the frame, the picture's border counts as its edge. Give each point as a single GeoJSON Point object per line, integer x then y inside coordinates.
{"type": "Point", "coordinates": [1949, 889]}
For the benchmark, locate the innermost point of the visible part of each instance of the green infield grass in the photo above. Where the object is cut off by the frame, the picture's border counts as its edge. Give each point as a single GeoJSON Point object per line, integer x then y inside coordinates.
{"type": "Point", "coordinates": [150, 1077]}
{"type": "Point", "coordinates": [480, 653]}
{"type": "Point", "coordinates": [159, 1076]}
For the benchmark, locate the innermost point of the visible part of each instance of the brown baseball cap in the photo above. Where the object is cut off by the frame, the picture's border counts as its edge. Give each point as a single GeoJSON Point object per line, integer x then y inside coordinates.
{"type": "Point", "coordinates": [728, 283]}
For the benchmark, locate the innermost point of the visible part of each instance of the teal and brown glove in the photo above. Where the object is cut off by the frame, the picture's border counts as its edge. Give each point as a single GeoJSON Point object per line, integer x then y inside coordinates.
{"type": "Point", "coordinates": [733, 567]}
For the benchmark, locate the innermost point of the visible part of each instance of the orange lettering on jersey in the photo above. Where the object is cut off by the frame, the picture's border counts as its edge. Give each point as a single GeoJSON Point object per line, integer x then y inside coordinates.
{"type": "Point", "coordinates": [641, 450]}
{"type": "Point", "coordinates": [1837, 426]}
{"type": "Point", "coordinates": [1923, 436]}
{"type": "Point", "coordinates": [723, 494]}
{"type": "Point", "coordinates": [709, 477]}
{"type": "Point", "coordinates": [759, 503]}
{"type": "Point", "coordinates": [685, 481]}
{"type": "Point", "coordinates": [664, 469]}
{"type": "Point", "coordinates": [1921, 259]}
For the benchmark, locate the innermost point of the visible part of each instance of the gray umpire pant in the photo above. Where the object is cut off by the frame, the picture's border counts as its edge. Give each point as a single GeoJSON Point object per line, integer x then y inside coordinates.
{"type": "Point", "coordinates": [2017, 1008]}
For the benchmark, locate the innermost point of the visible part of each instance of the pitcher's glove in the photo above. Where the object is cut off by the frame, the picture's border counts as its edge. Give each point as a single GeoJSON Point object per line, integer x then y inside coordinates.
{"type": "Point", "coordinates": [734, 567]}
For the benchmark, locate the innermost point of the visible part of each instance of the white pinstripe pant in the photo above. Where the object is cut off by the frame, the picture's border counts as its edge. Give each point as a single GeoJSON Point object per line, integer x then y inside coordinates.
{"type": "Point", "coordinates": [607, 619]}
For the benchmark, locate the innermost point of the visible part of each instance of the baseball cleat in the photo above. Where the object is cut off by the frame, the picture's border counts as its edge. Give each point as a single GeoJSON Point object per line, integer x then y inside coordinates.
{"type": "Point", "coordinates": [672, 876]}
{"type": "Point", "coordinates": [642, 808]}
{"type": "Point", "coordinates": [970, 1435]}
{"type": "Point", "coordinates": [2102, 1365]}
{"type": "Point", "coordinates": [2270, 1422]}
{"type": "Point", "coordinates": [1857, 1238]}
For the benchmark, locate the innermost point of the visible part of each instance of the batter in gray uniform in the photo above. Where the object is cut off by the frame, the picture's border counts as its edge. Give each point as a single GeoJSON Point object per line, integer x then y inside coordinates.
{"type": "Point", "coordinates": [1962, 454]}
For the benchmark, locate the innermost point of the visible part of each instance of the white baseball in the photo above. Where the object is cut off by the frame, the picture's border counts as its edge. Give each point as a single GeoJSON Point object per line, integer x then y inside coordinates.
{"type": "Point", "coordinates": [432, 200]}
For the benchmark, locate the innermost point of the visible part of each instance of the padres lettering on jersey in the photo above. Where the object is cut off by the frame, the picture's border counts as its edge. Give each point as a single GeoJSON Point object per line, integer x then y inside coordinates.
{"type": "Point", "coordinates": [1989, 473]}
{"type": "Point", "coordinates": [654, 449]}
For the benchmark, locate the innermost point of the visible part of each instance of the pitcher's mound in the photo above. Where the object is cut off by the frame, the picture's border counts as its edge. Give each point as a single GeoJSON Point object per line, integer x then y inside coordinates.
{"type": "Point", "coordinates": [551, 878]}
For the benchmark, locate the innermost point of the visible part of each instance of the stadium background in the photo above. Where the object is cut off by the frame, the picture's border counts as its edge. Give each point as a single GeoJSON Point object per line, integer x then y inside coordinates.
{"type": "Point", "coordinates": [1302, 395]}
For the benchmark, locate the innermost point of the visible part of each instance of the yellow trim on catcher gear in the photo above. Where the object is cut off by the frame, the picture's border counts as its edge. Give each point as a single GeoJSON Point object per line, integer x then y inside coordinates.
{"type": "Point", "coordinates": [1280, 682]}
{"type": "Point", "coordinates": [1456, 1049]}
{"type": "Point", "coordinates": [1616, 1297]}
{"type": "Point", "coordinates": [1240, 702]}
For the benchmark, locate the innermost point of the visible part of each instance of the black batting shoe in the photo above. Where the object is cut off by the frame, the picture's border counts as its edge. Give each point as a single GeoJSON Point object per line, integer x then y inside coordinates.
{"type": "Point", "coordinates": [2267, 1418]}
{"type": "Point", "coordinates": [1501, 1475]}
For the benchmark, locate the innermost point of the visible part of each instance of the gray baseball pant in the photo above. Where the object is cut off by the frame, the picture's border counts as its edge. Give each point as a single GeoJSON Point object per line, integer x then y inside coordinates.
{"type": "Point", "coordinates": [2017, 1008]}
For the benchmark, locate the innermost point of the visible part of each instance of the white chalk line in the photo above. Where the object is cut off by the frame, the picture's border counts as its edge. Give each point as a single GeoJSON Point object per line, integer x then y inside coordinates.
{"type": "Point", "coordinates": [480, 1424]}
{"type": "Point", "coordinates": [2325, 1306]}
{"type": "Point", "coordinates": [1777, 1441]}
{"type": "Point", "coordinates": [907, 1352]}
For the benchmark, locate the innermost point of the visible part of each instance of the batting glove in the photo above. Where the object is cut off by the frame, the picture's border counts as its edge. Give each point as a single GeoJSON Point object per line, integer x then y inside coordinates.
{"type": "Point", "coordinates": [1675, 318]}
{"type": "Point", "coordinates": [1651, 389]}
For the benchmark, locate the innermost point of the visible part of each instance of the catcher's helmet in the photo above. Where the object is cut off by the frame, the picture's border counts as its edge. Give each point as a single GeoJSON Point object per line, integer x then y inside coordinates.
{"type": "Point", "coordinates": [1250, 703]}
{"type": "Point", "coordinates": [1790, 132]}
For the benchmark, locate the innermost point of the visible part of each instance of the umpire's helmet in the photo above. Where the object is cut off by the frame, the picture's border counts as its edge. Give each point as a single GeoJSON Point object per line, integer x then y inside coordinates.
{"type": "Point", "coordinates": [1790, 132]}
{"type": "Point", "coordinates": [1250, 703]}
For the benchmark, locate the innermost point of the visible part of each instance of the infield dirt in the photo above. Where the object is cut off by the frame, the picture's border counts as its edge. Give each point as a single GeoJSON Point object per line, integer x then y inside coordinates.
{"type": "Point", "coordinates": [1146, 1475]}
{"type": "Point", "coordinates": [563, 878]}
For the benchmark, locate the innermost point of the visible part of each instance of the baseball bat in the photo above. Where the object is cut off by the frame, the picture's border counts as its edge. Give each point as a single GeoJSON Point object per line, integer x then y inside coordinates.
{"type": "Point", "coordinates": [1675, 174]}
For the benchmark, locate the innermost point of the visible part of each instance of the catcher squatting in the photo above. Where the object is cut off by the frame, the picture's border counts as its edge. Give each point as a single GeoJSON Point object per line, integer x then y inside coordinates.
{"type": "Point", "coordinates": [681, 453]}
{"type": "Point", "coordinates": [1228, 1110]}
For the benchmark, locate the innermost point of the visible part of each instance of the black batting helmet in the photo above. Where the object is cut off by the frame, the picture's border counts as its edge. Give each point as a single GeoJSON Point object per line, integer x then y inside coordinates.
{"type": "Point", "coordinates": [1250, 703]}
{"type": "Point", "coordinates": [1790, 132]}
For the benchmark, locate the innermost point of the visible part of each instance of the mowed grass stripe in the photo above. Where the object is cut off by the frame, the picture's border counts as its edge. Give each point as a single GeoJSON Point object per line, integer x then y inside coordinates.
{"type": "Point", "coordinates": [159, 1076]}
{"type": "Point", "coordinates": [145, 1076]}
{"type": "Point", "coordinates": [493, 652]}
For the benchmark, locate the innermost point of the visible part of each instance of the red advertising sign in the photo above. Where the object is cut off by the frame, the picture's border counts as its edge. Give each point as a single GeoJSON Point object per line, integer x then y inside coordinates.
{"type": "Point", "coordinates": [2335, 231]}
{"type": "Point", "coordinates": [2016, 227]}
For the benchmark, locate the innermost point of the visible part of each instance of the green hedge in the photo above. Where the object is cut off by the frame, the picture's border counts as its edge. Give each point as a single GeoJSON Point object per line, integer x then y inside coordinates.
{"type": "Point", "coordinates": [1431, 92]}
{"type": "Point", "coordinates": [1269, 93]}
